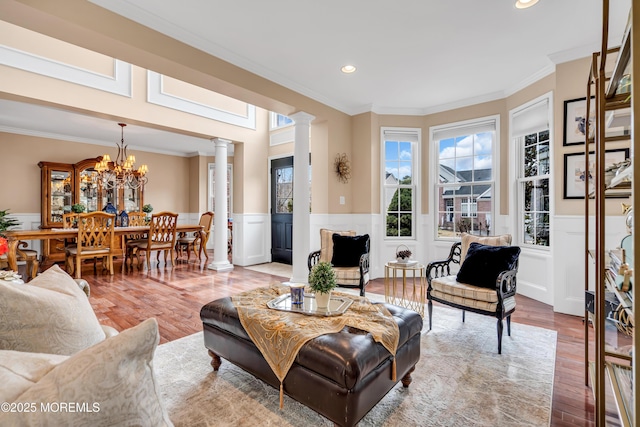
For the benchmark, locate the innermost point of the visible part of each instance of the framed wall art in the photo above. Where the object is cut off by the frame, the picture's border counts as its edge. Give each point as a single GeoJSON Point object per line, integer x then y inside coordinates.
{"type": "Point", "coordinates": [575, 120]}
{"type": "Point", "coordinates": [575, 171]}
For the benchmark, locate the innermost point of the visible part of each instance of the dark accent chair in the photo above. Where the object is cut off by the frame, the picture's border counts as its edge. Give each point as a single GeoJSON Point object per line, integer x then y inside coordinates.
{"type": "Point", "coordinates": [497, 299]}
{"type": "Point", "coordinates": [352, 275]}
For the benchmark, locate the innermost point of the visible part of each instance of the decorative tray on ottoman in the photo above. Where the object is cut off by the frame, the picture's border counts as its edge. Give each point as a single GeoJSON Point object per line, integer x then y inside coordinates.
{"type": "Point", "coordinates": [337, 305]}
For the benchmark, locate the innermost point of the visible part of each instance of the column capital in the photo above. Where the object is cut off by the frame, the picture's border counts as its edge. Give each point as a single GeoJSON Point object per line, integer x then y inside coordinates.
{"type": "Point", "coordinates": [221, 141]}
{"type": "Point", "coordinates": [301, 118]}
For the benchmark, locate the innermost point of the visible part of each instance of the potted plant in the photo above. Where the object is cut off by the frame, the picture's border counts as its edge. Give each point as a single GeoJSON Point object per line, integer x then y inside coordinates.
{"type": "Point", "coordinates": [6, 221]}
{"type": "Point", "coordinates": [147, 209]}
{"type": "Point", "coordinates": [77, 208]}
{"type": "Point", "coordinates": [322, 280]}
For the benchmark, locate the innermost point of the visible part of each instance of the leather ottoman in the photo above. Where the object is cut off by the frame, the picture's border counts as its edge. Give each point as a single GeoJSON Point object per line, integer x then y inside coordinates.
{"type": "Point", "coordinates": [341, 376]}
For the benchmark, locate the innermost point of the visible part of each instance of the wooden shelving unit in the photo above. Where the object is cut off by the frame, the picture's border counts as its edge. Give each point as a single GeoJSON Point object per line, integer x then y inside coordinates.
{"type": "Point", "coordinates": [610, 369]}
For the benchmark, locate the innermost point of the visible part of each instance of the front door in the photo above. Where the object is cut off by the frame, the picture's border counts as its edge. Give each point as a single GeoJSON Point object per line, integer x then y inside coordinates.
{"type": "Point", "coordinates": [281, 210]}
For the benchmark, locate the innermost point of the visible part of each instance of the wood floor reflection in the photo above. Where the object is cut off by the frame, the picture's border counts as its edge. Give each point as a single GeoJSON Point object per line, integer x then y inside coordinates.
{"type": "Point", "coordinates": [174, 297]}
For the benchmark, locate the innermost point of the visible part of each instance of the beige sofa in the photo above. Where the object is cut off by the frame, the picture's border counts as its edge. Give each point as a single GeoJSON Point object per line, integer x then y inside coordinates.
{"type": "Point", "coordinates": [60, 366]}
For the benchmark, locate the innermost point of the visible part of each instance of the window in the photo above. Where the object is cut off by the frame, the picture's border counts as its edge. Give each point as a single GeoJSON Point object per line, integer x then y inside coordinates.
{"type": "Point", "coordinates": [399, 181]}
{"type": "Point", "coordinates": [530, 128]}
{"type": "Point", "coordinates": [278, 121]}
{"type": "Point", "coordinates": [466, 177]}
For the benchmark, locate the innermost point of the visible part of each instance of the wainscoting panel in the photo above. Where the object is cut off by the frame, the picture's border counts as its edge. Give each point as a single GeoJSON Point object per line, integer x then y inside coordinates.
{"type": "Point", "coordinates": [251, 239]}
{"type": "Point", "coordinates": [568, 272]}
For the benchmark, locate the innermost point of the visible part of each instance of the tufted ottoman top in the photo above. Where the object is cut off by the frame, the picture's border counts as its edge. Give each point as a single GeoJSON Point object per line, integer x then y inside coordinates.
{"type": "Point", "coordinates": [345, 357]}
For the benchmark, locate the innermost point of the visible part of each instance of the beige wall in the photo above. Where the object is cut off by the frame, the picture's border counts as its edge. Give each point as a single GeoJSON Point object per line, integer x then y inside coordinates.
{"type": "Point", "coordinates": [166, 190]}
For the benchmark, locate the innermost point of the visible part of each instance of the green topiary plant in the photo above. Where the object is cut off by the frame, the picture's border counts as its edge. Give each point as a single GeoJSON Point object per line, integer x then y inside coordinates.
{"type": "Point", "coordinates": [6, 221]}
{"type": "Point", "coordinates": [77, 208]}
{"type": "Point", "coordinates": [147, 208]}
{"type": "Point", "coordinates": [322, 278]}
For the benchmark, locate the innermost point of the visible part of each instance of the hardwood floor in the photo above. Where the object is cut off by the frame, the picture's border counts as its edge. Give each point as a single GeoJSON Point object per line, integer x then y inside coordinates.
{"type": "Point", "coordinates": [174, 297]}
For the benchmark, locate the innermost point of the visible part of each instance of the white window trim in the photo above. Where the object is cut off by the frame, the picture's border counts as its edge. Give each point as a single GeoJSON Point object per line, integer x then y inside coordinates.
{"type": "Point", "coordinates": [435, 170]}
{"type": "Point", "coordinates": [273, 123]}
{"type": "Point", "coordinates": [416, 165]}
{"type": "Point", "coordinates": [514, 175]}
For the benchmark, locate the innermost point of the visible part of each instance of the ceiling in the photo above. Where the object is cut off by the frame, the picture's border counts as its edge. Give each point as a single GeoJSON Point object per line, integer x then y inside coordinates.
{"type": "Point", "coordinates": [413, 57]}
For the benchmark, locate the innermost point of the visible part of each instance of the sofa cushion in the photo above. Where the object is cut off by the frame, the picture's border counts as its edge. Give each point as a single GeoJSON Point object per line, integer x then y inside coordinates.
{"type": "Point", "coordinates": [50, 314]}
{"type": "Point", "coordinates": [111, 383]}
{"type": "Point", "coordinates": [347, 250]}
{"type": "Point", "coordinates": [484, 263]}
{"type": "Point", "coordinates": [326, 242]}
{"type": "Point", "coordinates": [467, 239]}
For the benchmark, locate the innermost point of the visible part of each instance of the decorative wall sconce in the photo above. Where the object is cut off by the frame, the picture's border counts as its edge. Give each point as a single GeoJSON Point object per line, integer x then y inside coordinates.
{"type": "Point", "coordinates": [342, 167]}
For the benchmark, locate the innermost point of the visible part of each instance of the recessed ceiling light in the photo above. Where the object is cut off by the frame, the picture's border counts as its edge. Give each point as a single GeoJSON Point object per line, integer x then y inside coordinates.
{"type": "Point", "coordinates": [348, 69]}
{"type": "Point", "coordinates": [523, 4]}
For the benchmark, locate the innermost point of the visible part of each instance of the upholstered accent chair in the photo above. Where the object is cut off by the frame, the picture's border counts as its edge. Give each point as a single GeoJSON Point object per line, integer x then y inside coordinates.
{"type": "Point", "coordinates": [198, 239]}
{"type": "Point", "coordinates": [95, 240]}
{"type": "Point", "coordinates": [161, 238]}
{"type": "Point", "coordinates": [349, 255]}
{"type": "Point", "coordinates": [485, 282]}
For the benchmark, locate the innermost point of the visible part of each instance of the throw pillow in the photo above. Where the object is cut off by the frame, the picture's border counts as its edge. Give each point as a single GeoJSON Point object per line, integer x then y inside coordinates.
{"type": "Point", "coordinates": [484, 263]}
{"type": "Point", "coordinates": [326, 242]}
{"type": "Point", "coordinates": [50, 314]}
{"type": "Point", "coordinates": [348, 249]}
{"type": "Point", "coordinates": [111, 383]}
{"type": "Point", "coordinates": [502, 240]}
{"type": "Point", "coordinates": [20, 370]}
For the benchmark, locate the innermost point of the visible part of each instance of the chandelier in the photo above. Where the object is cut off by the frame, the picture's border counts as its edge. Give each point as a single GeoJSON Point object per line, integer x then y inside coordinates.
{"type": "Point", "coordinates": [120, 173]}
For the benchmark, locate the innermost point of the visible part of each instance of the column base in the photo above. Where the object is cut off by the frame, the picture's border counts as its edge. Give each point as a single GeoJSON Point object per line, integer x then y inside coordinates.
{"type": "Point", "coordinates": [220, 266]}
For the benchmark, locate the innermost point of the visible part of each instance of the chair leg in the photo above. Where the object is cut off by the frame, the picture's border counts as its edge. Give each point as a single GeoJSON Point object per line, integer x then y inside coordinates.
{"type": "Point", "coordinates": [78, 267]}
{"type": "Point", "coordinates": [463, 312]}
{"type": "Point", "coordinates": [509, 325]}
{"type": "Point", "coordinates": [430, 310]}
{"type": "Point", "coordinates": [500, 328]}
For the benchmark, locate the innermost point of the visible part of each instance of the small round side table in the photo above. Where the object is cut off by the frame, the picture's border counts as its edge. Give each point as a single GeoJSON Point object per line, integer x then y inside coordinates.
{"type": "Point", "coordinates": [405, 284]}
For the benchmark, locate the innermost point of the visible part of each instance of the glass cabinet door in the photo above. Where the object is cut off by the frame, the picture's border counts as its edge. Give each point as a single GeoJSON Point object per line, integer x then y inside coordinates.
{"type": "Point", "coordinates": [88, 190]}
{"type": "Point", "coordinates": [132, 199]}
{"type": "Point", "coordinates": [61, 194]}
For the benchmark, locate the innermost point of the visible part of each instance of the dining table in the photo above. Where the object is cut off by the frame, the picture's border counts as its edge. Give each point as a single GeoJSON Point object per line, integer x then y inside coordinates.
{"type": "Point", "coordinates": [17, 236]}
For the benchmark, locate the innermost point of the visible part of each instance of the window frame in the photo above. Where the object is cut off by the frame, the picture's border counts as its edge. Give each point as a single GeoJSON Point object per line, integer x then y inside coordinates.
{"type": "Point", "coordinates": [273, 121]}
{"type": "Point", "coordinates": [494, 188]}
{"type": "Point", "coordinates": [414, 137]}
{"type": "Point", "coordinates": [517, 145]}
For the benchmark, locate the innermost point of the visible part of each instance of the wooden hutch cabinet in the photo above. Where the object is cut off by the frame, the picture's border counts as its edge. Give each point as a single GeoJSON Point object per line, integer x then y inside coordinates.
{"type": "Point", "coordinates": [65, 184]}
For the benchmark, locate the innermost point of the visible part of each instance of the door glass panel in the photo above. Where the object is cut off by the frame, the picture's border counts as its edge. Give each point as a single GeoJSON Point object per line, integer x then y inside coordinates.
{"type": "Point", "coordinates": [284, 190]}
{"type": "Point", "coordinates": [61, 194]}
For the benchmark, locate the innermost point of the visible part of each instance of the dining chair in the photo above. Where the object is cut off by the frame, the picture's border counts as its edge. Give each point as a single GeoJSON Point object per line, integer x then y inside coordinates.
{"type": "Point", "coordinates": [69, 220]}
{"type": "Point", "coordinates": [136, 219]}
{"type": "Point", "coordinates": [161, 238]}
{"type": "Point", "coordinates": [198, 239]}
{"type": "Point", "coordinates": [95, 240]}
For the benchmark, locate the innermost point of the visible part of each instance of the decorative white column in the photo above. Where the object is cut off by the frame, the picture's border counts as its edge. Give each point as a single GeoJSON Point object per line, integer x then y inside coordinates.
{"type": "Point", "coordinates": [301, 223]}
{"type": "Point", "coordinates": [220, 219]}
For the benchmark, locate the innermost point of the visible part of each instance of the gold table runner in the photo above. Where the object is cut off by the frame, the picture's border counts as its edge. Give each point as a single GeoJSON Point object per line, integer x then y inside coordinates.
{"type": "Point", "coordinates": [279, 335]}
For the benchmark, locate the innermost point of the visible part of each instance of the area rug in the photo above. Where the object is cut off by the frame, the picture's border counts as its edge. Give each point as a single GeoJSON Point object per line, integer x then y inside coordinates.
{"type": "Point", "coordinates": [460, 380]}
